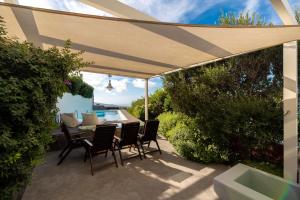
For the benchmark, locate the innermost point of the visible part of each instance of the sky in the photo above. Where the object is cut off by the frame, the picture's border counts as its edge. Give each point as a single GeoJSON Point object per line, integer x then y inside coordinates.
{"type": "Point", "coordinates": [181, 11]}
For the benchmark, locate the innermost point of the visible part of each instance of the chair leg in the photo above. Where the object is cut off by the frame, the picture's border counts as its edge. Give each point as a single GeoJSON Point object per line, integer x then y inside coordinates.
{"type": "Point", "coordinates": [122, 162]}
{"type": "Point", "coordinates": [149, 144]}
{"type": "Point", "coordinates": [137, 146]}
{"type": "Point", "coordinates": [158, 146]}
{"type": "Point", "coordinates": [91, 163]}
{"type": "Point", "coordinates": [143, 149]}
{"type": "Point", "coordinates": [62, 159]}
{"type": "Point", "coordinates": [62, 152]}
{"type": "Point", "coordinates": [85, 155]}
{"type": "Point", "coordinates": [106, 154]}
{"type": "Point", "coordinates": [113, 153]}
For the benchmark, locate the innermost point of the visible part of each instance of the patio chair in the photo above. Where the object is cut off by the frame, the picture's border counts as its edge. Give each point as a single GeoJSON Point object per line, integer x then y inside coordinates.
{"type": "Point", "coordinates": [74, 140]}
{"type": "Point", "coordinates": [129, 134]}
{"type": "Point", "coordinates": [149, 134]}
{"type": "Point", "coordinates": [102, 143]}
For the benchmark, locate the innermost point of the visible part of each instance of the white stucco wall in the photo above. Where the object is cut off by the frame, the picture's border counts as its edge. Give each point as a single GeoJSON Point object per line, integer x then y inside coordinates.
{"type": "Point", "coordinates": [69, 103]}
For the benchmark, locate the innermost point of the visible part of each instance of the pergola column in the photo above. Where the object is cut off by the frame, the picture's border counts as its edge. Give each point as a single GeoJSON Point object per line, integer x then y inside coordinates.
{"type": "Point", "coordinates": [290, 94]}
{"type": "Point", "coordinates": [290, 106]}
{"type": "Point", "coordinates": [146, 100]}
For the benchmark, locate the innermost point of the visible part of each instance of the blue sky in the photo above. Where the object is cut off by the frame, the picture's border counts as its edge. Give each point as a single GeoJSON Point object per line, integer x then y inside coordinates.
{"type": "Point", "coordinates": [182, 11]}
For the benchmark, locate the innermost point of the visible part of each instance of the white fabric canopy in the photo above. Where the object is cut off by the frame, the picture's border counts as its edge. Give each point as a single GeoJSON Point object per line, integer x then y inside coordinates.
{"type": "Point", "coordinates": [137, 48]}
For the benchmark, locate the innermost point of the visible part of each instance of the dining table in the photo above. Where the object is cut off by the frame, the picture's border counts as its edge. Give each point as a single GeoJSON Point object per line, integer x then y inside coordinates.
{"type": "Point", "coordinates": [89, 130]}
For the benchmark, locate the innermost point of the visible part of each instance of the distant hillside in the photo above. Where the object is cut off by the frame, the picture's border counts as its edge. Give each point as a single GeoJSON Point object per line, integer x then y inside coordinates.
{"type": "Point", "coordinates": [104, 106]}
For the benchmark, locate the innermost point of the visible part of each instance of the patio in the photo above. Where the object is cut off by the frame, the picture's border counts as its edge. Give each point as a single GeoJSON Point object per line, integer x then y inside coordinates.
{"type": "Point", "coordinates": [166, 176]}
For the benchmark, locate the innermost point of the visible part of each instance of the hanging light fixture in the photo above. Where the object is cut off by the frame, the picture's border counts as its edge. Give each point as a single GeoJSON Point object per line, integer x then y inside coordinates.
{"type": "Point", "coordinates": [109, 87]}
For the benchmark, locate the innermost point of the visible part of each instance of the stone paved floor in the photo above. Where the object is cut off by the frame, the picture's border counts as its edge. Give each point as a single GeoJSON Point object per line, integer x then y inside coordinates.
{"type": "Point", "coordinates": [166, 176]}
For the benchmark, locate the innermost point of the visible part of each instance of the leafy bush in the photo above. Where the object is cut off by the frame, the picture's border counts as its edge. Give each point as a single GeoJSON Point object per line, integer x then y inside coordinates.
{"type": "Point", "coordinates": [159, 102]}
{"type": "Point", "coordinates": [233, 122]}
{"type": "Point", "coordinates": [183, 132]}
{"type": "Point", "coordinates": [236, 103]}
{"type": "Point", "coordinates": [79, 87]}
{"type": "Point", "coordinates": [137, 109]}
{"type": "Point", "coordinates": [168, 121]}
{"type": "Point", "coordinates": [265, 166]}
{"type": "Point", "coordinates": [31, 79]}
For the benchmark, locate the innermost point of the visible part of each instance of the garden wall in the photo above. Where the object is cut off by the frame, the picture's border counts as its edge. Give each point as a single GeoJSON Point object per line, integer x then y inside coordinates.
{"type": "Point", "coordinates": [74, 103]}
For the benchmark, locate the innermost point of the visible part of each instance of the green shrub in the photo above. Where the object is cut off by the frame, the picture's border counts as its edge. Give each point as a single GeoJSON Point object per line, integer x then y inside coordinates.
{"type": "Point", "coordinates": [265, 166]}
{"type": "Point", "coordinates": [159, 102]}
{"type": "Point", "coordinates": [169, 120]}
{"type": "Point", "coordinates": [31, 80]}
{"type": "Point", "coordinates": [137, 109]}
{"type": "Point", "coordinates": [183, 132]}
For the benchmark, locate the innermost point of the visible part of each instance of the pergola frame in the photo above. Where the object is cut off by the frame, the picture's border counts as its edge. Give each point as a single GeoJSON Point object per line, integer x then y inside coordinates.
{"type": "Point", "coordinates": [290, 70]}
{"type": "Point", "coordinates": [290, 94]}
{"type": "Point", "coordinates": [284, 11]}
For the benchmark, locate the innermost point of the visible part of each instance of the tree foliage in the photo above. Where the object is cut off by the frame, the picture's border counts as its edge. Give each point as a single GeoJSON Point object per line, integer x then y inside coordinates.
{"type": "Point", "coordinates": [237, 102]}
{"type": "Point", "coordinates": [242, 19]}
{"type": "Point", "coordinates": [79, 87]}
{"type": "Point", "coordinates": [297, 15]}
{"type": "Point", "coordinates": [31, 79]}
{"type": "Point", "coordinates": [159, 102]}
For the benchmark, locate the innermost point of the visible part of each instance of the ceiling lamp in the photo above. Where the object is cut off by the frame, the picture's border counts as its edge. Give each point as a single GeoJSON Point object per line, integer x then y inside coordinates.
{"type": "Point", "coordinates": [109, 87]}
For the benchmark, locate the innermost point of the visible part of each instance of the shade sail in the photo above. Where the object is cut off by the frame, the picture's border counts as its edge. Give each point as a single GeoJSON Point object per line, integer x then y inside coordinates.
{"type": "Point", "coordinates": [138, 48]}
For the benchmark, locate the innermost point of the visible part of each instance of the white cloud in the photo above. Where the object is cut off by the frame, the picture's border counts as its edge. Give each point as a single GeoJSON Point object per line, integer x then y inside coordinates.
{"type": "Point", "coordinates": [100, 81]}
{"type": "Point", "coordinates": [120, 85]}
{"type": "Point", "coordinates": [172, 10]}
{"type": "Point", "coordinates": [295, 4]}
{"type": "Point", "coordinates": [64, 5]}
{"type": "Point", "coordinates": [77, 6]}
{"type": "Point", "coordinates": [163, 10]}
{"type": "Point", "coordinates": [36, 3]}
{"type": "Point", "coordinates": [251, 5]}
{"type": "Point", "coordinates": [140, 83]}
{"type": "Point", "coordinates": [94, 79]}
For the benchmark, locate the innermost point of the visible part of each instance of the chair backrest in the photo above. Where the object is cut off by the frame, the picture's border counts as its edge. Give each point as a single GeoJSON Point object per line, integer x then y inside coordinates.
{"type": "Point", "coordinates": [129, 133]}
{"type": "Point", "coordinates": [150, 130]}
{"type": "Point", "coordinates": [103, 138]}
{"type": "Point", "coordinates": [66, 132]}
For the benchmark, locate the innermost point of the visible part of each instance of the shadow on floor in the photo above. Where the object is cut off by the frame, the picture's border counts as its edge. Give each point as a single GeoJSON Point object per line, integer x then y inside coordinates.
{"type": "Point", "coordinates": [166, 176]}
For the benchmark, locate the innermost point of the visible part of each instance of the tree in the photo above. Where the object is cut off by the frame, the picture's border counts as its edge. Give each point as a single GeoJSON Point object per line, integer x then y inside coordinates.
{"type": "Point", "coordinates": [78, 87]}
{"type": "Point", "coordinates": [159, 102]}
{"type": "Point", "coordinates": [236, 102]}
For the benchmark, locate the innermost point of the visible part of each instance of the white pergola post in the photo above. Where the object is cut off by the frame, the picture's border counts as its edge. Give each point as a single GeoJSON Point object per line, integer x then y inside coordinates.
{"type": "Point", "coordinates": [290, 106]}
{"type": "Point", "coordinates": [146, 100]}
{"type": "Point", "coordinates": [290, 94]}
